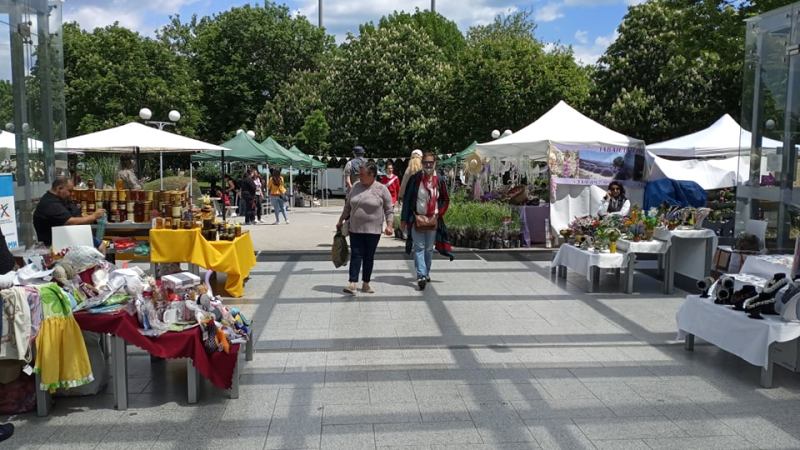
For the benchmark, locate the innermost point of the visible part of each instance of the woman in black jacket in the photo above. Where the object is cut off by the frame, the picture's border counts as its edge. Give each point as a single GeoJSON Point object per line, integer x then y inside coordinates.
{"type": "Point", "coordinates": [248, 189]}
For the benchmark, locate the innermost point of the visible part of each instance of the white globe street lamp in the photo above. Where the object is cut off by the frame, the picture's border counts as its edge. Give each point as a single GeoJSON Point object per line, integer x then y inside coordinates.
{"type": "Point", "coordinates": [495, 134]}
{"type": "Point", "coordinates": [251, 133]}
{"type": "Point", "coordinates": [174, 116]}
{"type": "Point", "coordinates": [145, 113]}
{"type": "Point", "coordinates": [507, 133]}
{"type": "Point", "coordinates": [239, 131]}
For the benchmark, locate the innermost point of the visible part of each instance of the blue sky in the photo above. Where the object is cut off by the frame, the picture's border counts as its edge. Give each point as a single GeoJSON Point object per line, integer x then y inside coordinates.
{"type": "Point", "coordinates": [588, 25]}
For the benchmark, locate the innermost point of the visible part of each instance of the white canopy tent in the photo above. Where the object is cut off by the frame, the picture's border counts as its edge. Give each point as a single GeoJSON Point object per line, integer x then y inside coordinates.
{"type": "Point", "coordinates": [136, 138]}
{"type": "Point", "coordinates": [8, 142]}
{"type": "Point", "coordinates": [708, 173]}
{"type": "Point", "coordinates": [563, 124]}
{"type": "Point", "coordinates": [724, 138]}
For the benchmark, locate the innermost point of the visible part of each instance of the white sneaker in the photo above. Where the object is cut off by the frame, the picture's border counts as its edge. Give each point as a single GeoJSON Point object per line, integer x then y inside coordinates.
{"type": "Point", "coordinates": [275, 223]}
{"type": "Point", "coordinates": [287, 222]}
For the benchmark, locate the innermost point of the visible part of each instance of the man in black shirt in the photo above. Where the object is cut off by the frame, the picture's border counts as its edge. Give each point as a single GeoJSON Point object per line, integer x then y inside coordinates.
{"type": "Point", "coordinates": [56, 209]}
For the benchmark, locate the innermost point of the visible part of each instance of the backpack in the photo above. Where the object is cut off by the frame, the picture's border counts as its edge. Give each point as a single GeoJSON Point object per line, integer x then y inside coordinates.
{"type": "Point", "coordinates": [355, 168]}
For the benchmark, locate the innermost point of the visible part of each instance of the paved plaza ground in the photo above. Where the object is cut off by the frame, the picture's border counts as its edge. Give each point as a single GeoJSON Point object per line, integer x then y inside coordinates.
{"type": "Point", "coordinates": [494, 354]}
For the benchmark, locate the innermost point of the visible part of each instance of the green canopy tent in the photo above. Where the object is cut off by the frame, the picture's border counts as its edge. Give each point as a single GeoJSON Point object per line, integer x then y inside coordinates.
{"type": "Point", "coordinates": [294, 161]}
{"type": "Point", "coordinates": [315, 164]}
{"type": "Point", "coordinates": [243, 148]}
{"type": "Point", "coordinates": [456, 159]}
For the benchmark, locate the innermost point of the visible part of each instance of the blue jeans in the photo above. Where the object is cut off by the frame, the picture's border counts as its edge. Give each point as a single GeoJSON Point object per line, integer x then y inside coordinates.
{"type": "Point", "coordinates": [423, 250]}
{"type": "Point", "coordinates": [362, 251]}
{"type": "Point", "coordinates": [279, 206]}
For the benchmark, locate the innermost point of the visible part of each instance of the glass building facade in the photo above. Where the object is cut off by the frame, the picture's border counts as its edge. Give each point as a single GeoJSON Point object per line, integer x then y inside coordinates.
{"type": "Point", "coordinates": [32, 108]}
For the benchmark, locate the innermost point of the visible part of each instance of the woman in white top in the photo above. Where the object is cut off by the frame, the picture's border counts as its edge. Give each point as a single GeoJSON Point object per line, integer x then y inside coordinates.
{"type": "Point", "coordinates": [615, 203]}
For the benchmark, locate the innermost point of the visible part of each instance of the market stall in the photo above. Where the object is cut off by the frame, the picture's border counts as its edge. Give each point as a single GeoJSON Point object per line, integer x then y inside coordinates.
{"type": "Point", "coordinates": [136, 138]}
{"type": "Point", "coordinates": [579, 152]}
{"type": "Point", "coordinates": [233, 257]}
{"type": "Point", "coordinates": [56, 296]}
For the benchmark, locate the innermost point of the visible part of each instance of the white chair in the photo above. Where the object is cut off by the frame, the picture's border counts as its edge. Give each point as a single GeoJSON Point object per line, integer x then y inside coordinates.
{"type": "Point", "coordinates": [72, 236]}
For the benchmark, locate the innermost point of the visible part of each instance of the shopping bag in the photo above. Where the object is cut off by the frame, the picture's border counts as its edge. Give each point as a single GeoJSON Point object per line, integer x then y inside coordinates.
{"type": "Point", "coordinates": [340, 251]}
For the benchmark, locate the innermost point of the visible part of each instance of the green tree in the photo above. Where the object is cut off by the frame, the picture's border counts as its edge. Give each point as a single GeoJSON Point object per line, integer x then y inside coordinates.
{"type": "Point", "coordinates": [675, 68]}
{"type": "Point", "coordinates": [443, 33]}
{"type": "Point", "coordinates": [315, 132]}
{"type": "Point", "coordinates": [505, 79]}
{"type": "Point", "coordinates": [112, 72]}
{"type": "Point", "coordinates": [297, 98]}
{"type": "Point", "coordinates": [241, 57]}
{"type": "Point", "coordinates": [6, 103]}
{"type": "Point", "coordinates": [386, 89]}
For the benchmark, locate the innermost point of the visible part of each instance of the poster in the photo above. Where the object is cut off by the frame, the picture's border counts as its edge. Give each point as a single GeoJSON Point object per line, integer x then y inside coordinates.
{"type": "Point", "coordinates": [8, 216]}
{"type": "Point", "coordinates": [595, 165]}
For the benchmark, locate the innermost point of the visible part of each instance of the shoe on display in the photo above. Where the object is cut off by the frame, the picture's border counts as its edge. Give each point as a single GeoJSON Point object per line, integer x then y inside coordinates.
{"type": "Point", "coordinates": [422, 282]}
{"type": "Point", "coordinates": [6, 431]}
{"type": "Point", "coordinates": [350, 289]}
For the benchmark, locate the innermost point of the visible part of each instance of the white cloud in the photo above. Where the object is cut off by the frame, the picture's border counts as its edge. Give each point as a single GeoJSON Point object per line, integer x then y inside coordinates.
{"type": "Point", "coordinates": [132, 14]}
{"type": "Point", "coordinates": [582, 36]}
{"type": "Point", "coordinates": [588, 53]}
{"type": "Point", "coordinates": [342, 16]}
{"type": "Point", "coordinates": [548, 12]}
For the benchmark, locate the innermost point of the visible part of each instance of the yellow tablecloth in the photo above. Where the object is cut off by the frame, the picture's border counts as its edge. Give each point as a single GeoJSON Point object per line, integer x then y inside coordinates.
{"type": "Point", "coordinates": [235, 258]}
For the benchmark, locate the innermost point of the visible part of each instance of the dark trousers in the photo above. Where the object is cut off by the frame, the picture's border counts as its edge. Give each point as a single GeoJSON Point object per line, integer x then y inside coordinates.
{"type": "Point", "coordinates": [362, 250]}
{"type": "Point", "coordinates": [247, 209]}
{"type": "Point", "coordinates": [259, 200]}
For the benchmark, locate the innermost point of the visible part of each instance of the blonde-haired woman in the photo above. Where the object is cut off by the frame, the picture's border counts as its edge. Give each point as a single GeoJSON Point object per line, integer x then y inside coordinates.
{"type": "Point", "coordinates": [414, 166]}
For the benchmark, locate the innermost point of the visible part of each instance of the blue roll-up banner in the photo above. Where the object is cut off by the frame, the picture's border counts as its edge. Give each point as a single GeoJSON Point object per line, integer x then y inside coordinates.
{"type": "Point", "coordinates": [8, 216]}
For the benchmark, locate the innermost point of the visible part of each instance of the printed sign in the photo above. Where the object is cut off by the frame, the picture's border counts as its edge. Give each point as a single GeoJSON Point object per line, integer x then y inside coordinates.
{"type": "Point", "coordinates": [586, 165]}
{"type": "Point", "coordinates": [8, 216]}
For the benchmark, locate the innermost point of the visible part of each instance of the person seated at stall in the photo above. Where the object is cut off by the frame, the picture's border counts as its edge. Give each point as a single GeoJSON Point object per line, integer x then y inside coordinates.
{"type": "Point", "coordinates": [127, 175]}
{"type": "Point", "coordinates": [615, 203]}
{"type": "Point", "coordinates": [56, 209]}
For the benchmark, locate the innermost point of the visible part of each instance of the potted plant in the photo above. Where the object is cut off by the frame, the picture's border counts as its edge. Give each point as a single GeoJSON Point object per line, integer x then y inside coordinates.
{"type": "Point", "coordinates": [650, 221]}
{"type": "Point", "coordinates": [613, 235]}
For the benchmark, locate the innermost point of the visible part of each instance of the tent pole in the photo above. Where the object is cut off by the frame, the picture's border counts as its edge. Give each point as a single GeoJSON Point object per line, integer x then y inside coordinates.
{"type": "Point", "coordinates": [191, 187]}
{"type": "Point", "coordinates": [291, 187]}
{"type": "Point", "coordinates": [223, 185]}
{"type": "Point", "coordinates": [326, 187]}
{"type": "Point", "coordinates": [138, 162]}
{"type": "Point", "coordinates": [161, 160]}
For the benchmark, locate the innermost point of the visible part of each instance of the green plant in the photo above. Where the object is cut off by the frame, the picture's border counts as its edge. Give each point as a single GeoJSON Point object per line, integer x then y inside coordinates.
{"type": "Point", "coordinates": [104, 165]}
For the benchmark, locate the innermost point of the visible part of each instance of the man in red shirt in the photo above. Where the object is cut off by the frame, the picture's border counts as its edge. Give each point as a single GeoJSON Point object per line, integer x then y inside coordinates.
{"type": "Point", "coordinates": [391, 182]}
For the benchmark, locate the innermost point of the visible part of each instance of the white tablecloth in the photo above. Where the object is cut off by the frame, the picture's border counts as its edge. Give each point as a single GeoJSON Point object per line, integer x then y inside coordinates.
{"type": "Point", "coordinates": [581, 261]}
{"type": "Point", "coordinates": [733, 331]}
{"type": "Point", "coordinates": [652, 246]}
{"type": "Point", "coordinates": [692, 250]}
{"type": "Point", "coordinates": [765, 266]}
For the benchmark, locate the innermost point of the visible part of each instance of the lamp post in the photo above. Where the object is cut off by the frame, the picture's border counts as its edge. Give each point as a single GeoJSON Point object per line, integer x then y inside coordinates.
{"type": "Point", "coordinates": [174, 116]}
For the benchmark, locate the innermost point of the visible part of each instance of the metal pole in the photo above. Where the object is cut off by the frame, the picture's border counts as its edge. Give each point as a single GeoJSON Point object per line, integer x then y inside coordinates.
{"type": "Point", "coordinates": [20, 118]}
{"type": "Point", "coordinates": [161, 164]}
{"type": "Point", "coordinates": [46, 94]}
{"type": "Point", "coordinates": [291, 188]}
{"type": "Point", "coordinates": [319, 13]}
{"type": "Point", "coordinates": [433, 5]}
{"type": "Point", "coordinates": [224, 185]}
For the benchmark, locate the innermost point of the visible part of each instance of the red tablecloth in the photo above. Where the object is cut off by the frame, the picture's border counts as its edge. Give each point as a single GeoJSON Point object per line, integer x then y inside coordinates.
{"type": "Point", "coordinates": [217, 367]}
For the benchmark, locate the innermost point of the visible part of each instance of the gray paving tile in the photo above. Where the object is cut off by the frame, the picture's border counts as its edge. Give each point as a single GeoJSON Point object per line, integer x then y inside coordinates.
{"type": "Point", "coordinates": [561, 408]}
{"type": "Point", "coordinates": [323, 396]}
{"type": "Point", "coordinates": [699, 443]}
{"type": "Point", "coordinates": [628, 428]}
{"type": "Point", "coordinates": [443, 410]}
{"type": "Point", "coordinates": [347, 437]}
{"type": "Point", "coordinates": [426, 433]}
{"type": "Point", "coordinates": [499, 422]}
{"type": "Point", "coordinates": [372, 413]}
{"type": "Point", "coordinates": [621, 444]}
{"type": "Point", "coordinates": [295, 427]}
{"type": "Point", "coordinates": [558, 434]}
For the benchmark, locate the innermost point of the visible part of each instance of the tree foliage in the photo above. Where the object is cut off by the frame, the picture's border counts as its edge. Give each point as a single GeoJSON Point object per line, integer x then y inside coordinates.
{"type": "Point", "coordinates": [241, 57]}
{"type": "Point", "coordinates": [675, 67]}
{"type": "Point", "coordinates": [505, 79]}
{"type": "Point", "coordinates": [112, 72]}
{"type": "Point", "coordinates": [6, 103]}
{"type": "Point", "coordinates": [314, 133]}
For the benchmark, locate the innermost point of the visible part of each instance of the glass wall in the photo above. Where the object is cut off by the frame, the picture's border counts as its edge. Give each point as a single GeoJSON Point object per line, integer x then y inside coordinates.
{"type": "Point", "coordinates": [32, 109]}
